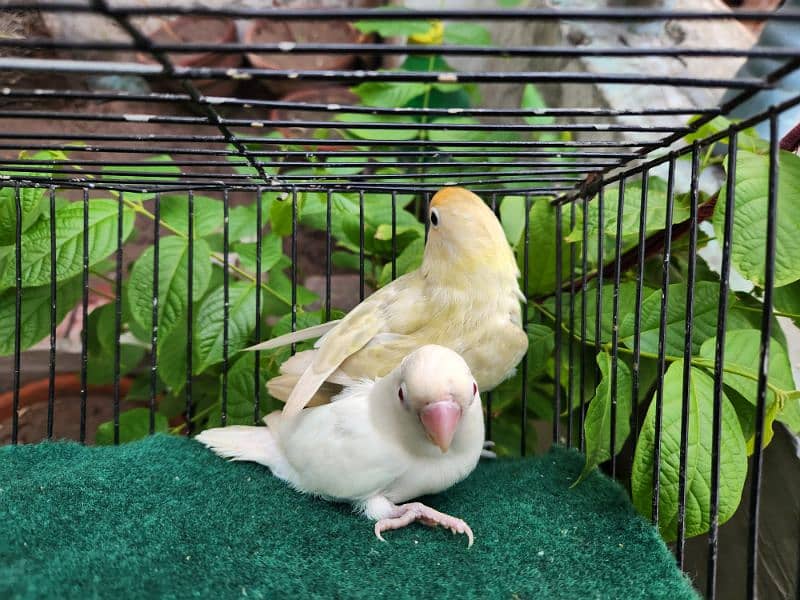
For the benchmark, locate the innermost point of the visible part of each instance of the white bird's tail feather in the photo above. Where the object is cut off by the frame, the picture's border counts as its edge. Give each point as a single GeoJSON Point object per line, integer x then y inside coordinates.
{"type": "Point", "coordinates": [251, 444]}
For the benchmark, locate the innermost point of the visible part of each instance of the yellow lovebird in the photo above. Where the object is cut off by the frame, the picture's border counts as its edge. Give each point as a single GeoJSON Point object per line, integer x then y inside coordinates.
{"type": "Point", "coordinates": [465, 296]}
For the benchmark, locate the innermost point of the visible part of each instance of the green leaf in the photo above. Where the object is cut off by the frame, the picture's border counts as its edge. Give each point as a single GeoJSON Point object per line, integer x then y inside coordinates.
{"type": "Point", "coordinates": [208, 331]}
{"type": "Point", "coordinates": [35, 318]}
{"type": "Point", "coordinates": [241, 393]}
{"type": "Point", "coordinates": [32, 204]}
{"type": "Point", "coordinates": [790, 415]}
{"type": "Point", "coordinates": [166, 172]}
{"type": "Point", "coordinates": [532, 100]}
{"type": "Point", "coordinates": [173, 289]}
{"type": "Point", "coordinates": [208, 213]}
{"type": "Point", "coordinates": [390, 135]}
{"type": "Point", "coordinates": [706, 296]}
{"type": "Point", "coordinates": [134, 425]}
{"type": "Point", "coordinates": [172, 357]}
{"type": "Point", "coordinates": [384, 94]}
{"type": "Point", "coordinates": [243, 219]}
{"type": "Point", "coordinates": [282, 285]}
{"type": "Point", "coordinates": [655, 217]}
{"type": "Point", "coordinates": [271, 253]}
{"type": "Point", "coordinates": [467, 34]}
{"type": "Point", "coordinates": [597, 426]}
{"type": "Point", "coordinates": [786, 299]}
{"type": "Point", "coordinates": [750, 217]}
{"type": "Point", "coordinates": [542, 248]}
{"type": "Point", "coordinates": [541, 341]}
{"type": "Point", "coordinates": [69, 242]}
{"type": "Point", "coordinates": [742, 351]}
{"type": "Point", "coordinates": [733, 456]}
{"type": "Point", "coordinates": [442, 134]}
{"type": "Point", "coordinates": [394, 27]}
{"type": "Point", "coordinates": [408, 260]}
{"type": "Point", "coordinates": [280, 214]}
{"type": "Point", "coordinates": [512, 217]}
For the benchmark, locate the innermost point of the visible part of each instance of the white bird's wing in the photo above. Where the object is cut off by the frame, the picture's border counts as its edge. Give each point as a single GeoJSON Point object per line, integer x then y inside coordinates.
{"type": "Point", "coordinates": [337, 451]}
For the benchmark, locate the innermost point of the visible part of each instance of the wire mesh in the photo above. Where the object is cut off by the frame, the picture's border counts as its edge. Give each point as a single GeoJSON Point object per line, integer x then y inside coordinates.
{"type": "Point", "coordinates": [59, 131]}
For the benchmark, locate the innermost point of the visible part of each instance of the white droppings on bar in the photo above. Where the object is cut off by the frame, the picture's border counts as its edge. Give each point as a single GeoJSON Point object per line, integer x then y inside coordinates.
{"type": "Point", "coordinates": [455, 111]}
{"type": "Point", "coordinates": [448, 77]}
{"type": "Point", "coordinates": [287, 46]}
{"type": "Point", "coordinates": [6, 91]}
{"type": "Point", "coordinates": [293, 75]}
{"type": "Point", "coordinates": [334, 106]}
{"type": "Point", "coordinates": [237, 74]}
{"type": "Point", "coordinates": [214, 99]}
{"type": "Point", "coordinates": [134, 118]}
{"type": "Point", "coordinates": [257, 124]}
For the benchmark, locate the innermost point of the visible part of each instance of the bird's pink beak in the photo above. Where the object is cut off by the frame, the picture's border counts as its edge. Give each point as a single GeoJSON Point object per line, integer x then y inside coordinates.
{"type": "Point", "coordinates": [440, 420]}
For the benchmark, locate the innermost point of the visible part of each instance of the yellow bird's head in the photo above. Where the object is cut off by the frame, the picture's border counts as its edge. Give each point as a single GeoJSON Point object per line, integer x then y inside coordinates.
{"type": "Point", "coordinates": [465, 239]}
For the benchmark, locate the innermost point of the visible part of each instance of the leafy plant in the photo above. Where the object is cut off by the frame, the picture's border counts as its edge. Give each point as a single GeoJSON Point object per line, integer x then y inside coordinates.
{"type": "Point", "coordinates": [224, 380]}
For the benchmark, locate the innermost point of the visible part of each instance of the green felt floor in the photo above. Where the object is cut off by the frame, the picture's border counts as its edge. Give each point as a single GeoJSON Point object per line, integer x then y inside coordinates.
{"type": "Point", "coordinates": [165, 518]}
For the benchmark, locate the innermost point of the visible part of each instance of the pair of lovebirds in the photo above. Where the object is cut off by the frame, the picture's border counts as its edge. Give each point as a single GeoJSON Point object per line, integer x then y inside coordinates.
{"type": "Point", "coordinates": [395, 384]}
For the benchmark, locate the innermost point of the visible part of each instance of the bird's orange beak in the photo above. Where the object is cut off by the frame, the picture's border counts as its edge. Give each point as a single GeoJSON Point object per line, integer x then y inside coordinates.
{"type": "Point", "coordinates": [440, 420]}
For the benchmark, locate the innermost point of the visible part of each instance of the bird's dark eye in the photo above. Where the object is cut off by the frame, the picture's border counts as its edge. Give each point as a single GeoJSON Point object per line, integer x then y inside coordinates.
{"type": "Point", "coordinates": [474, 388]}
{"type": "Point", "coordinates": [400, 394]}
{"type": "Point", "coordinates": [434, 217]}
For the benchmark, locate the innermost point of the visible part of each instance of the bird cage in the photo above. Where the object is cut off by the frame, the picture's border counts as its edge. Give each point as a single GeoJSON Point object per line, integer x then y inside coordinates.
{"type": "Point", "coordinates": [183, 181]}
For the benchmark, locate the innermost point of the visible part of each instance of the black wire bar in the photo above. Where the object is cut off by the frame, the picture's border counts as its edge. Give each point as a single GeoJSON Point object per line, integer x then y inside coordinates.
{"type": "Point", "coordinates": [217, 147]}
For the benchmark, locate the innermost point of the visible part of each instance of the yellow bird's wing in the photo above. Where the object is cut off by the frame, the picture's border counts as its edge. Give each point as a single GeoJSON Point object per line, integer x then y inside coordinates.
{"type": "Point", "coordinates": [374, 316]}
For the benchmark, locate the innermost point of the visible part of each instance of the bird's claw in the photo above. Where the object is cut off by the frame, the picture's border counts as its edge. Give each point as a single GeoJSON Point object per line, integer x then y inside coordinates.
{"type": "Point", "coordinates": [406, 514]}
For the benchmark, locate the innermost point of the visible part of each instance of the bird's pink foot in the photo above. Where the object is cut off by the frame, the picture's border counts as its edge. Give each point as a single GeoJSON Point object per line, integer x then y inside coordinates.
{"type": "Point", "coordinates": [405, 514]}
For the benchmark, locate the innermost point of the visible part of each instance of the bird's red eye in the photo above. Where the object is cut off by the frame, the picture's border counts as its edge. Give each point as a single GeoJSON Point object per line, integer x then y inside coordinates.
{"type": "Point", "coordinates": [474, 388]}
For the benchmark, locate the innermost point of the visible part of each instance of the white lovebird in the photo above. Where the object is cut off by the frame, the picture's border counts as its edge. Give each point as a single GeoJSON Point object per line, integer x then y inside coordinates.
{"type": "Point", "coordinates": [416, 431]}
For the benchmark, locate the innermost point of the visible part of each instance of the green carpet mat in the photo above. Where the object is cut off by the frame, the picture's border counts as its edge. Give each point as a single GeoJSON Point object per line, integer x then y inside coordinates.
{"type": "Point", "coordinates": [165, 518]}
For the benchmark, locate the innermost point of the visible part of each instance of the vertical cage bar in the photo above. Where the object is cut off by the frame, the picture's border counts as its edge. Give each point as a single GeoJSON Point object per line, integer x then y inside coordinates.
{"type": "Point", "coordinates": [226, 303]}
{"type": "Point", "coordinates": [257, 353]}
{"type": "Point", "coordinates": [84, 317]}
{"type": "Point", "coordinates": [763, 360]}
{"type": "Point", "coordinates": [328, 255]}
{"type": "Point", "coordinates": [361, 289]}
{"type": "Point", "coordinates": [615, 329]}
{"type": "Point", "coordinates": [51, 381]}
{"type": "Point", "coordinates": [662, 335]}
{"type": "Point", "coordinates": [118, 312]}
{"type": "Point", "coordinates": [488, 396]}
{"type": "Point", "coordinates": [394, 235]}
{"type": "Point", "coordinates": [637, 309]}
{"type": "Point", "coordinates": [558, 325]}
{"type": "Point", "coordinates": [524, 400]}
{"type": "Point", "coordinates": [189, 311]}
{"type": "Point", "coordinates": [584, 286]}
{"type": "Point", "coordinates": [687, 353]}
{"type": "Point", "coordinates": [154, 324]}
{"type": "Point", "coordinates": [294, 265]}
{"type": "Point", "coordinates": [719, 364]}
{"type": "Point", "coordinates": [571, 337]}
{"type": "Point", "coordinates": [598, 323]}
{"type": "Point", "coordinates": [17, 316]}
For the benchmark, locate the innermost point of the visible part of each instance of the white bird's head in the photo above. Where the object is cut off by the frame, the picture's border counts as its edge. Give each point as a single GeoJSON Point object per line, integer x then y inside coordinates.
{"type": "Point", "coordinates": [436, 387]}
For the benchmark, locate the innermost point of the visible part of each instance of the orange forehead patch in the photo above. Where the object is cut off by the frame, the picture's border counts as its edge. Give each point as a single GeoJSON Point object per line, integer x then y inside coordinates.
{"type": "Point", "coordinates": [453, 194]}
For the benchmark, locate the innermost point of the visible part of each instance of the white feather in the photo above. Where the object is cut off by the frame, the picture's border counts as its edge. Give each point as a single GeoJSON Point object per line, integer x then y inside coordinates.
{"type": "Point", "coordinates": [309, 333]}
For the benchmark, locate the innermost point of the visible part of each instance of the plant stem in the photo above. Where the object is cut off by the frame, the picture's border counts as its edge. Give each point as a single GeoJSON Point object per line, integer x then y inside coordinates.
{"type": "Point", "coordinates": [199, 415]}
